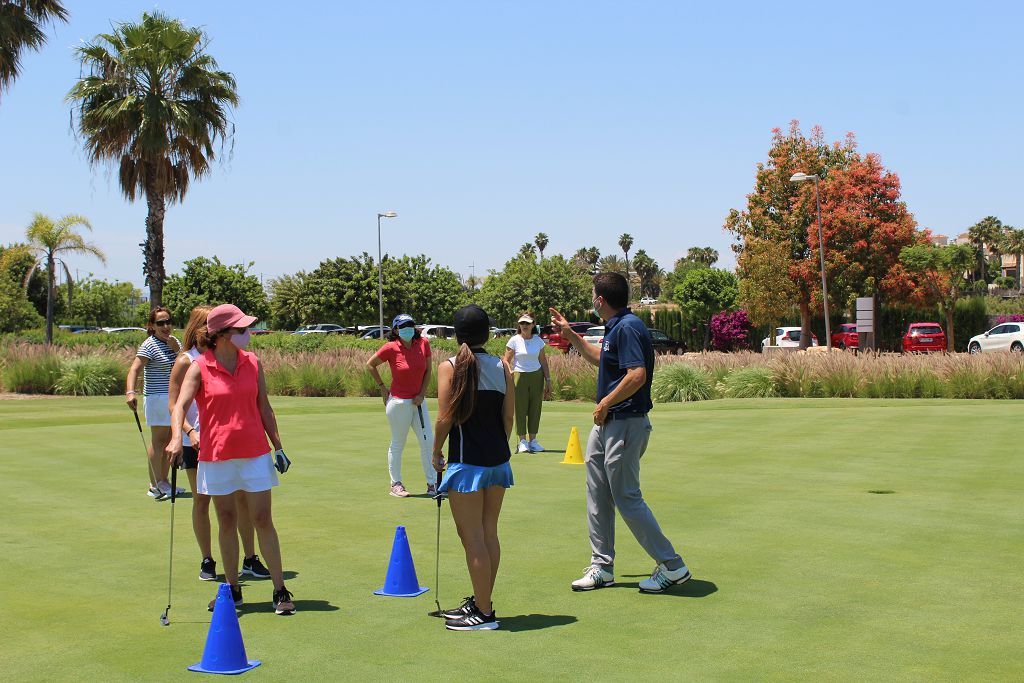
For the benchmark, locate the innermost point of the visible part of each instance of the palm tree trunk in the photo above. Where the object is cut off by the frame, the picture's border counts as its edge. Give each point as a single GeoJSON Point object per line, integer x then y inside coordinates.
{"type": "Point", "coordinates": [154, 245]}
{"type": "Point", "coordinates": [50, 266]}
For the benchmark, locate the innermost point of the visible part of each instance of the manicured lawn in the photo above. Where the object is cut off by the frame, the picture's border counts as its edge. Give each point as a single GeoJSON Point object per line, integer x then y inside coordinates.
{"type": "Point", "coordinates": [800, 572]}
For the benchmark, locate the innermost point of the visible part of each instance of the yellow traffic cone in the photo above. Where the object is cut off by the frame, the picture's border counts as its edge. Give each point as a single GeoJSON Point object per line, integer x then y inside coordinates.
{"type": "Point", "coordinates": [573, 452]}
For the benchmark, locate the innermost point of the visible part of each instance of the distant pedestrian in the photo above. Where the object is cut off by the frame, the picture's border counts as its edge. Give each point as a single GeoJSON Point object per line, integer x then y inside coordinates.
{"type": "Point", "coordinates": [236, 418]}
{"type": "Point", "coordinates": [476, 403]}
{"type": "Point", "coordinates": [155, 358]}
{"type": "Point", "coordinates": [524, 355]}
{"type": "Point", "coordinates": [407, 353]}
{"type": "Point", "coordinates": [619, 438]}
{"type": "Point", "coordinates": [193, 347]}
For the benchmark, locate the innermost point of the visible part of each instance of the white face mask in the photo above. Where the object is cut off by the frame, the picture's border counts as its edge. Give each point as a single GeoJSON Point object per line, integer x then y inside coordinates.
{"type": "Point", "coordinates": [241, 341]}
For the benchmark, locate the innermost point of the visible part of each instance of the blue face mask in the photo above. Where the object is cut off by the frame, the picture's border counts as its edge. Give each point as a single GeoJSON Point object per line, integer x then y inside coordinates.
{"type": "Point", "coordinates": [407, 333]}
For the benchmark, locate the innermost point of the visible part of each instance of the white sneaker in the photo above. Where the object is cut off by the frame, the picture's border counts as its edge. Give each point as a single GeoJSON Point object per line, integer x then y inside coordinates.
{"type": "Point", "coordinates": [165, 488]}
{"type": "Point", "coordinates": [536, 447]}
{"type": "Point", "coordinates": [593, 577]}
{"type": "Point", "coordinates": [524, 446]}
{"type": "Point", "coordinates": [663, 577]}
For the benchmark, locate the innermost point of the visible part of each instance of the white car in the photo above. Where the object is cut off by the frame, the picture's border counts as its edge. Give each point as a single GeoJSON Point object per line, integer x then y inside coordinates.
{"type": "Point", "coordinates": [788, 337]}
{"type": "Point", "coordinates": [437, 331]}
{"type": "Point", "coordinates": [648, 300]}
{"type": "Point", "coordinates": [594, 335]}
{"type": "Point", "coordinates": [1004, 337]}
{"type": "Point", "coordinates": [321, 328]}
{"type": "Point", "coordinates": [115, 330]}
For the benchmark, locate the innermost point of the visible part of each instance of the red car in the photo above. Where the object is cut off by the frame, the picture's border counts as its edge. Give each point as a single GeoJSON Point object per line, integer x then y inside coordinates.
{"type": "Point", "coordinates": [924, 338]}
{"type": "Point", "coordinates": [555, 340]}
{"type": "Point", "coordinates": [845, 337]}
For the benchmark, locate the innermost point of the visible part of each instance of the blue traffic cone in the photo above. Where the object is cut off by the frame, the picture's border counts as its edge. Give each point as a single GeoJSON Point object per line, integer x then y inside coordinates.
{"type": "Point", "coordinates": [224, 652]}
{"type": "Point", "coordinates": [401, 579]}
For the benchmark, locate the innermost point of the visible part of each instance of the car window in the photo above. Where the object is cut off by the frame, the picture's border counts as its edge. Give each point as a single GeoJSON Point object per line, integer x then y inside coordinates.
{"type": "Point", "coordinates": [659, 335]}
{"type": "Point", "coordinates": [594, 331]}
{"type": "Point", "coordinates": [1012, 328]}
{"type": "Point", "coordinates": [998, 329]}
{"type": "Point", "coordinates": [794, 335]}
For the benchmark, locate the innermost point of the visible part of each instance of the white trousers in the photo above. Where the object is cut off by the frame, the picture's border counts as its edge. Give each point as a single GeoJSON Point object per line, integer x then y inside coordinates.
{"type": "Point", "coordinates": [404, 415]}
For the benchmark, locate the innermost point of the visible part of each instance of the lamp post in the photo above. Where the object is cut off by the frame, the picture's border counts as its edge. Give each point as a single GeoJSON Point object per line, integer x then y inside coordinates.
{"type": "Point", "coordinates": [800, 178]}
{"type": "Point", "coordinates": [380, 275]}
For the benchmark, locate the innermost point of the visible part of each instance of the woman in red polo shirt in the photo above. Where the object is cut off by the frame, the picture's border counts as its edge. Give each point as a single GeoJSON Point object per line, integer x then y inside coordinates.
{"type": "Point", "coordinates": [235, 420]}
{"type": "Point", "coordinates": [408, 355]}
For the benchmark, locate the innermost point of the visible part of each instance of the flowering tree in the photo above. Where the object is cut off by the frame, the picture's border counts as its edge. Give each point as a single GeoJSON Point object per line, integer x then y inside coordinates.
{"type": "Point", "coordinates": [730, 331]}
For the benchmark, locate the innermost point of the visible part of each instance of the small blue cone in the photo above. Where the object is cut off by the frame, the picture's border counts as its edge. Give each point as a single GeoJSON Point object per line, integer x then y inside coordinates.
{"type": "Point", "coordinates": [401, 579]}
{"type": "Point", "coordinates": [224, 652]}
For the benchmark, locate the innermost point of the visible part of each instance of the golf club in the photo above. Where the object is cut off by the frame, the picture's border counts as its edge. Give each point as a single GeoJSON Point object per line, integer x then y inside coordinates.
{"type": "Point", "coordinates": [437, 552]}
{"type": "Point", "coordinates": [170, 559]}
{"type": "Point", "coordinates": [145, 449]}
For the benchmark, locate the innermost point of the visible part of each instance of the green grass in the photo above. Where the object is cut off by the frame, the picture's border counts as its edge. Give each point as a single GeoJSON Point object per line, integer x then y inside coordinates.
{"type": "Point", "coordinates": [800, 572]}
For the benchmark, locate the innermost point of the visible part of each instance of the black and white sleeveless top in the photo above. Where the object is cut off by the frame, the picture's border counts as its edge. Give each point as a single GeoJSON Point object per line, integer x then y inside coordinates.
{"type": "Point", "coordinates": [481, 440]}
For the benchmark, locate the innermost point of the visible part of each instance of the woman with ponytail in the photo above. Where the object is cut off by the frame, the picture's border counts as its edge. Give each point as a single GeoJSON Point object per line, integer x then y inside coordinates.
{"type": "Point", "coordinates": [476, 406]}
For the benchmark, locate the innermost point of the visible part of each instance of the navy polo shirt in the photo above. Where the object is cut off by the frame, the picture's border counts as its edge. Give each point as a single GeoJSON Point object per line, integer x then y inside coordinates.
{"type": "Point", "coordinates": [627, 344]}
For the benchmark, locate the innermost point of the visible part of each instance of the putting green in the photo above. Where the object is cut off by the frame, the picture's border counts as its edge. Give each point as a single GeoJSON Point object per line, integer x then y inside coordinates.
{"type": "Point", "coordinates": [800, 572]}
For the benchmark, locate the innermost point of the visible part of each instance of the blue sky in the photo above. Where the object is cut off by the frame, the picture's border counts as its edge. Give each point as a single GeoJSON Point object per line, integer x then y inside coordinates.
{"type": "Point", "coordinates": [482, 123]}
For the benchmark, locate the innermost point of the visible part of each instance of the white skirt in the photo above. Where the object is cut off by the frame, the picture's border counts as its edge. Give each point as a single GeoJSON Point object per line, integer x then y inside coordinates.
{"type": "Point", "coordinates": [157, 409]}
{"type": "Point", "coordinates": [238, 474]}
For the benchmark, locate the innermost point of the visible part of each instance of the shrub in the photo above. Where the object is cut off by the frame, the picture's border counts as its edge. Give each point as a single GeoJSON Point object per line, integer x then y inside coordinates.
{"type": "Point", "coordinates": [30, 370]}
{"type": "Point", "coordinates": [749, 382]}
{"type": "Point", "coordinates": [730, 331]}
{"type": "Point", "coordinates": [677, 382]}
{"type": "Point", "coordinates": [90, 376]}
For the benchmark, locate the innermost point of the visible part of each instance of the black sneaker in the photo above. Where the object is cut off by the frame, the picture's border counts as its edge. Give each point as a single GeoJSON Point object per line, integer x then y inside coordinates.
{"type": "Point", "coordinates": [283, 601]}
{"type": "Point", "coordinates": [253, 567]}
{"type": "Point", "coordinates": [475, 620]}
{"type": "Point", "coordinates": [208, 570]}
{"type": "Point", "coordinates": [466, 607]}
{"type": "Point", "coordinates": [236, 595]}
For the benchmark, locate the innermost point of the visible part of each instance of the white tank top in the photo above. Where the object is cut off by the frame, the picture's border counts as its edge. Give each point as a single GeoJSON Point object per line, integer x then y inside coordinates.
{"type": "Point", "coordinates": [192, 414]}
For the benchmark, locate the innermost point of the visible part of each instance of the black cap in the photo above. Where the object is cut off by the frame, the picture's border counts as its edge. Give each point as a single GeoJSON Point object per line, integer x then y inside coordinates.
{"type": "Point", "coordinates": [472, 324]}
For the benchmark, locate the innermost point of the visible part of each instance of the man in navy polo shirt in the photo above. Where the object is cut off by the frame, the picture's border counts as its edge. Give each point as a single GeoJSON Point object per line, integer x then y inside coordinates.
{"type": "Point", "coordinates": [625, 362]}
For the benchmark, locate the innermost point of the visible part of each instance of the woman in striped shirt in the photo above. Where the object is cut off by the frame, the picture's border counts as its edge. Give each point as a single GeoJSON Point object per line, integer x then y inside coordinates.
{"type": "Point", "coordinates": [155, 358]}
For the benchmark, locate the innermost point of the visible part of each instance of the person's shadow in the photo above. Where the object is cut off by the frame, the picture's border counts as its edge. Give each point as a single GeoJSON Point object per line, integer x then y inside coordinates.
{"type": "Point", "coordinates": [300, 606]}
{"type": "Point", "coordinates": [534, 622]}
{"type": "Point", "coordinates": [694, 588]}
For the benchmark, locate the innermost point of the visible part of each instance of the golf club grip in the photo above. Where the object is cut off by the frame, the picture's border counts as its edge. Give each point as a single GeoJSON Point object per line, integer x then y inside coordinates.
{"type": "Point", "coordinates": [137, 422]}
{"type": "Point", "coordinates": [174, 482]}
{"type": "Point", "coordinates": [437, 488]}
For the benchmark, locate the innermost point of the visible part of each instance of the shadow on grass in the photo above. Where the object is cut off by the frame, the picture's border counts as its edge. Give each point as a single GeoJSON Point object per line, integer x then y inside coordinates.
{"type": "Point", "coordinates": [694, 588]}
{"type": "Point", "coordinates": [300, 606]}
{"type": "Point", "coordinates": [534, 622]}
{"type": "Point", "coordinates": [253, 582]}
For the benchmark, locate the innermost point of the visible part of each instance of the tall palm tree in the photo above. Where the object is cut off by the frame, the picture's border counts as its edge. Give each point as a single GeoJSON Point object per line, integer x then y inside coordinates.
{"type": "Point", "coordinates": [541, 240]}
{"type": "Point", "coordinates": [626, 243]}
{"type": "Point", "coordinates": [528, 250]}
{"type": "Point", "coordinates": [49, 240]}
{"type": "Point", "coordinates": [647, 270]}
{"type": "Point", "coordinates": [154, 103]}
{"type": "Point", "coordinates": [610, 264]}
{"type": "Point", "coordinates": [1013, 243]}
{"type": "Point", "coordinates": [21, 29]}
{"type": "Point", "coordinates": [985, 233]}
{"type": "Point", "coordinates": [703, 255]}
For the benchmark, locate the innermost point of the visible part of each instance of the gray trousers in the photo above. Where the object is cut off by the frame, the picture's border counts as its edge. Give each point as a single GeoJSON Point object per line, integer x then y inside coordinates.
{"type": "Point", "coordinates": [613, 481]}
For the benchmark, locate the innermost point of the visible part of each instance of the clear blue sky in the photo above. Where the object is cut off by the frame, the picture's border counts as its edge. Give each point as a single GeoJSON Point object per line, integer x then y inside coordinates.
{"type": "Point", "coordinates": [483, 123]}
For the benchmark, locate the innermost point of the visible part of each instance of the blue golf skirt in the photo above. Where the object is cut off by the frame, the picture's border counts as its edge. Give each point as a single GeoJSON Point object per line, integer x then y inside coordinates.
{"type": "Point", "coordinates": [463, 478]}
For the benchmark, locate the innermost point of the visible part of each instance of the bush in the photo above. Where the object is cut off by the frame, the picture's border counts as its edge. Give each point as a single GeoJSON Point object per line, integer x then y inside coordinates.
{"type": "Point", "coordinates": [90, 376]}
{"type": "Point", "coordinates": [749, 382]}
{"type": "Point", "coordinates": [677, 382]}
{"type": "Point", "coordinates": [730, 331]}
{"type": "Point", "coordinates": [30, 370]}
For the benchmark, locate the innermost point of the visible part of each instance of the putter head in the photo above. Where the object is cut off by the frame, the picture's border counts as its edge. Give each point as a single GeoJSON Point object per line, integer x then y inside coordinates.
{"type": "Point", "coordinates": [435, 613]}
{"type": "Point", "coordinates": [164, 620]}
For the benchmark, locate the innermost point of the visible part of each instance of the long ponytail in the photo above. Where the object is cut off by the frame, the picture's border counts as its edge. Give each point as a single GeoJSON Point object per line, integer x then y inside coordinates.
{"type": "Point", "coordinates": [463, 392]}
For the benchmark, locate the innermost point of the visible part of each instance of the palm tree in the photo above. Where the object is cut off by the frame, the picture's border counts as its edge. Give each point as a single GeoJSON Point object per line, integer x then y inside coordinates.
{"type": "Point", "coordinates": [626, 243]}
{"type": "Point", "coordinates": [21, 29]}
{"type": "Point", "coordinates": [1013, 243]}
{"type": "Point", "coordinates": [985, 233]}
{"type": "Point", "coordinates": [541, 240]}
{"type": "Point", "coordinates": [528, 250]}
{"type": "Point", "coordinates": [153, 103]}
{"type": "Point", "coordinates": [48, 239]}
{"type": "Point", "coordinates": [703, 255]}
{"type": "Point", "coordinates": [610, 264]}
{"type": "Point", "coordinates": [646, 269]}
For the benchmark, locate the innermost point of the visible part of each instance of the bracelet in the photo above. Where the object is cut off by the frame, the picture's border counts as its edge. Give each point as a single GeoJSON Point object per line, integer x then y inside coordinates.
{"type": "Point", "coordinates": [189, 432]}
{"type": "Point", "coordinates": [130, 392]}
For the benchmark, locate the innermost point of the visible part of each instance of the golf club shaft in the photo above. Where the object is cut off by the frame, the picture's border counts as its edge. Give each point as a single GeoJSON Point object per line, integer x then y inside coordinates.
{"type": "Point", "coordinates": [145, 448]}
{"type": "Point", "coordinates": [437, 548]}
{"type": "Point", "coordinates": [170, 552]}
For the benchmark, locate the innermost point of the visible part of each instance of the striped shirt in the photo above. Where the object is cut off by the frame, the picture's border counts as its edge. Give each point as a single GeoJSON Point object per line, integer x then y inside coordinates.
{"type": "Point", "coordinates": [156, 374]}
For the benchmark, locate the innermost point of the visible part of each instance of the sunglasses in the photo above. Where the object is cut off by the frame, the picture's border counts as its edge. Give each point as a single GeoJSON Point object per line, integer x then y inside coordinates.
{"type": "Point", "coordinates": [527, 324]}
{"type": "Point", "coordinates": [163, 323]}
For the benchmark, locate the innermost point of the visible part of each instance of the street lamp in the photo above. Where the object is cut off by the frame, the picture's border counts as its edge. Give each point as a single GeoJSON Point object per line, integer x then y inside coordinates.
{"type": "Point", "coordinates": [380, 274]}
{"type": "Point", "coordinates": [800, 178]}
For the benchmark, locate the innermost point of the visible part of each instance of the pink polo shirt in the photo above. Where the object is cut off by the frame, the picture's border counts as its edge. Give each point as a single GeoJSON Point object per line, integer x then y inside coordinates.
{"type": "Point", "coordinates": [408, 365]}
{"type": "Point", "coordinates": [229, 415]}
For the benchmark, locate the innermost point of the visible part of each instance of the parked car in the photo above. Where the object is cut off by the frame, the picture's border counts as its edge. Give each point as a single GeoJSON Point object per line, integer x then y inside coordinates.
{"type": "Point", "coordinates": [557, 341]}
{"type": "Point", "coordinates": [788, 337]}
{"type": "Point", "coordinates": [437, 331]}
{"type": "Point", "coordinates": [374, 332]}
{"type": "Point", "coordinates": [320, 328]}
{"type": "Point", "coordinates": [116, 330]}
{"type": "Point", "coordinates": [498, 332]}
{"type": "Point", "coordinates": [75, 329]}
{"type": "Point", "coordinates": [594, 335]}
{"type": "Point", "coordinates": [924, 338]}
{"type": "Point", "coordinates": [258, 330]}
{"type": "Point", "coordinates": [648, 300]}
{"type": "Point", "coordinates": [665, 344]}
{"type": "Point", "coordinates": [1004, 337]}
{"type": "Point", "coordinates": [846, 336]}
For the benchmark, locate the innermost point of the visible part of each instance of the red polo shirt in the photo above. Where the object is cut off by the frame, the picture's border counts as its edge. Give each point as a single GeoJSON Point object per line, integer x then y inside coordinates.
{"type": "Point", "coordinates": [229, 415]}
{"type": "Point", "coordinates": [407, 365]}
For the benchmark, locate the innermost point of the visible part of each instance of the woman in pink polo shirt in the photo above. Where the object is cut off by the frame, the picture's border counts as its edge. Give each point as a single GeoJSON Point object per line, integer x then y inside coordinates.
{"type": "Point", "coordinates": [408, 355]}
{"type": "Point", "coordinates": [235, 420]}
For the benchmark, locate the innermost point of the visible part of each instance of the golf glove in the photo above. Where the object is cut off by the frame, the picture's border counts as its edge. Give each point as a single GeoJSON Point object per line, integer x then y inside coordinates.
{"type": "Point", "coordinates": [281, 461]}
